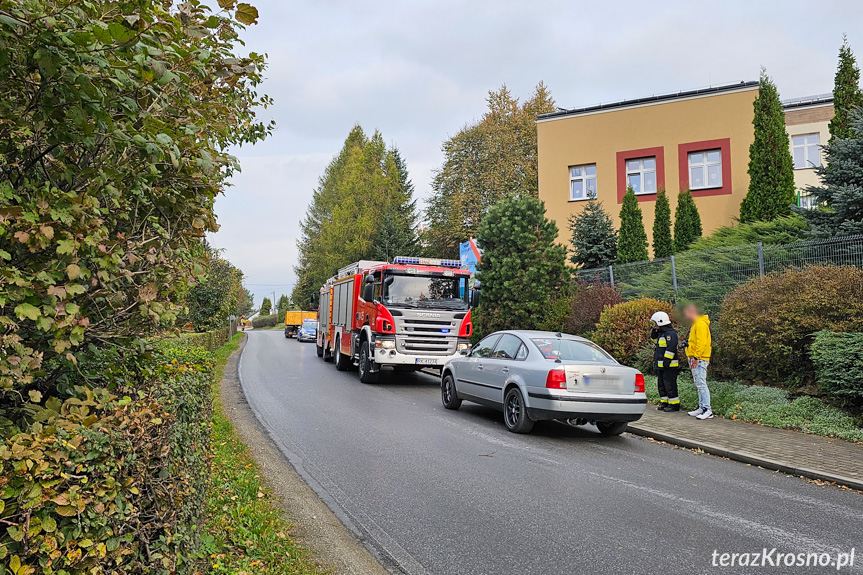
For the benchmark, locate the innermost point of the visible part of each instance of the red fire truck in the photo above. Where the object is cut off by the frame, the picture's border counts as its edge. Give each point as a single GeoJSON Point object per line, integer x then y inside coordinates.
{"type": "Point", "coordinates": [409, 314]}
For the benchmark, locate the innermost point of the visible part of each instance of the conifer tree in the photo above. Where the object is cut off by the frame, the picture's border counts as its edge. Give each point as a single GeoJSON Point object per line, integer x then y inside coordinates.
{"type": "Point", "coordinates": [663, 246]}
{"type": "Point", "coordinates": [687, 222]}
{"type": "Point", "coordinates": [266, 306]}
{"type": "Point", "coordinates": [594, 239]}
{"type": "Point", "coordinates": [846, 93]}
{"type": "Point", "coordinates": [632, 242]}
{"type": "Point", "coordinates": [771, 170]}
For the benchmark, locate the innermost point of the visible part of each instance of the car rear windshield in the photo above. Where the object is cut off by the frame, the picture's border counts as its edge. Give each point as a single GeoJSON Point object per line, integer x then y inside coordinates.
{"type": "Point", "coordinates": [570, 349]}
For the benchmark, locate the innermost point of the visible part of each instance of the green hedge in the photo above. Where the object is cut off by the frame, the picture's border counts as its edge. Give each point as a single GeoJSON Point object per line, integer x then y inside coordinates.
{"type": "Point", "coordinates": [624, 329]}
{"type": "Point", "coordinates": [209, 340]}
{"type": "Point", "coordinates": [766, 325]}
{"type": "Point", "coordinates": [111, 479]}
{"type": "Point", "coordinates": [838, 361]}
{"type": "Point", "coordinates": [268, 321]}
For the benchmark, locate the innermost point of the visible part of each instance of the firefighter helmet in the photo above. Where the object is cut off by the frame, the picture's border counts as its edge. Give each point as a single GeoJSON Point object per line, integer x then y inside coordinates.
{"type": "Point", "coordinates": [660, 318]}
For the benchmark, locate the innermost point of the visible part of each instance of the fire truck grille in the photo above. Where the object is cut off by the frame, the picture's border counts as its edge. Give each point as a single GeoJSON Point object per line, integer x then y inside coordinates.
{"type": "Point", "coordinates": [428, 337]}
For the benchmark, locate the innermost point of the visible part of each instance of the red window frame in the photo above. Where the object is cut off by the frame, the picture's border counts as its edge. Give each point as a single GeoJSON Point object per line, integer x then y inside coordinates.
{"type": "Point", "coordinates": [683, 151]}
{"type": "Point", "coordinates": [622, 157]}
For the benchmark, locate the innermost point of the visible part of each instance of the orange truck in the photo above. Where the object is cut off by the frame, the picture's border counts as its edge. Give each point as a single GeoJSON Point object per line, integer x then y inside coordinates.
{"type": "Point", "coordinates": [294, 319]}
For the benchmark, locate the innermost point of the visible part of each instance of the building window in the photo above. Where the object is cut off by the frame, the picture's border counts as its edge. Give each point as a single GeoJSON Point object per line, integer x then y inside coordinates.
{"type": "Point", "coordinates": [806, 201]}
{"type": "Point", "coordinates": [641, 175]}
{"type": "Point", "coordinates": [582, 182]}
{"type": "Point", "coordinates": [806, 152]}
{"type": "Point", "coordinates": [705, 169]}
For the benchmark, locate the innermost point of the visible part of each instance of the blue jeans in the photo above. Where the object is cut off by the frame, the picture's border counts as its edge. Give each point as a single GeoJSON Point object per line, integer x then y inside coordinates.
{"type": "Point", "coordinates": [699, 375]}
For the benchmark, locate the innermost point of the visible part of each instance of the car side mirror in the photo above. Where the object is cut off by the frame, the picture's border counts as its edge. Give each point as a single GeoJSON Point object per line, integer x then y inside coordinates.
{"type": "Point", "coordinates": [369, 289]}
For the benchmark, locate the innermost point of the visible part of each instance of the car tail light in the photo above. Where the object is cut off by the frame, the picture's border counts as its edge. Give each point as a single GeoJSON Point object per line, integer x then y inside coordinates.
{"type": "Point", "coordinates": [639, 383]}
{"type": "Point", "coordinates": [556, 379]}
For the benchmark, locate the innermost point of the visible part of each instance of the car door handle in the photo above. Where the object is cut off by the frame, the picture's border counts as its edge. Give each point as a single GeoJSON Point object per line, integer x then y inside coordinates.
{"type": "Point", "coordinates": [479, 366]}
{"type": "Point", "coordinates": [505, 370]}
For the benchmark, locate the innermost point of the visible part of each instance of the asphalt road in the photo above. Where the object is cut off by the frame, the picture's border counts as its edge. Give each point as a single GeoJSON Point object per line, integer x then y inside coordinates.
{"type": "Point", "coordinates": [443, 492]}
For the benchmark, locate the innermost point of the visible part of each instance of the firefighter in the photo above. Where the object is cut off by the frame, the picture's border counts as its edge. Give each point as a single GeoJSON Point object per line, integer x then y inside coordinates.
{"type": "Point", "coordinates": [665, 355]}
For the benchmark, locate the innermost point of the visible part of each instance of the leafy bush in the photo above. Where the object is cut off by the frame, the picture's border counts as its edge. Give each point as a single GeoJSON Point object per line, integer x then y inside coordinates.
{"type": "Point", "coordinates": [766, 325]}
{"type": "Point", "coordinates": [624, 329]}
{"type": "Point", "coordinates": [838, 360]}
{"type": "Point", "coordinates": [268, 321]}
{"type": "Point", "coordinates": [112, 481]}
{"type": "Point", "coordinates": [586, 306]}
{"type": "Point", "coordinates": [210, 340]}
{"type": "Point", "coordinates": [769, 406]}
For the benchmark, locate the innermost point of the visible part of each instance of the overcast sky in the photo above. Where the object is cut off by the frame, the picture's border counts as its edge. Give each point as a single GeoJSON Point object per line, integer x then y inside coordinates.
{"type": "Point", "coordinates": [420, 70]}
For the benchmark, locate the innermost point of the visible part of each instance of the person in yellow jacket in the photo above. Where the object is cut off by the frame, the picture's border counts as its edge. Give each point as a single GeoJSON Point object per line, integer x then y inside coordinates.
{"type": "Point", "coordinates": [698, 351]}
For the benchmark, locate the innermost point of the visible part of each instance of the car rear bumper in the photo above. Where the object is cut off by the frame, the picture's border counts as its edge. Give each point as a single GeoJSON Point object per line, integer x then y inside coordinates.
{"type": "Point", "coordinates": [543, 405]}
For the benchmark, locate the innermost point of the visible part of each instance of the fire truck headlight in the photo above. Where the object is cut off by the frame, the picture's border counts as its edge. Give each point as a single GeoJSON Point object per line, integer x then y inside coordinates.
{"type": "Point", "coordinates": [463, 347]}
{"type": "Point", "coordinates": [385, 344]}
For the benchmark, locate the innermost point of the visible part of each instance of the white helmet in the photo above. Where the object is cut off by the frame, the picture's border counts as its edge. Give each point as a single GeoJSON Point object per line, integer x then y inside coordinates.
{"type": "Point", "coordinates": [660, 318]}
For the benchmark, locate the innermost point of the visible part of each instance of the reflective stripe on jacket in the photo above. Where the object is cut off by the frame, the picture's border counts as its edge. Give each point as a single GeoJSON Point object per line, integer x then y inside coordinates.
{"type": "Point", "coordinates": [665, 347]}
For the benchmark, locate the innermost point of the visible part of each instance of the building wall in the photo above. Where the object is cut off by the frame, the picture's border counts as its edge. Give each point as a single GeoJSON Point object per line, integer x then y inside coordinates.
{"type": "Point", "coordinates": [810, 120]}
{"type": "Point", "coordinates": [664, 129]}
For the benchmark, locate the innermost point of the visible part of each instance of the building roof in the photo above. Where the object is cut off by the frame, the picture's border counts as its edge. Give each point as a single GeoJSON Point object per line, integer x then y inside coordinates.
{"type": "Point", "coordinates": [807, 101]}
{"type": "Point", "coordinates": [655, 99]}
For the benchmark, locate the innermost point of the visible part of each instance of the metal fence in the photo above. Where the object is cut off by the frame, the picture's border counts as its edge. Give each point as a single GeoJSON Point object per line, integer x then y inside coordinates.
{"type": "Point", "coordinates": [706, 277]}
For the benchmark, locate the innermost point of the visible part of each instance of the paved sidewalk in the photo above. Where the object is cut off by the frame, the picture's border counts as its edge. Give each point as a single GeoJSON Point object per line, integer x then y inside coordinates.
{"type": "Point", "coordinates": [812, 456]}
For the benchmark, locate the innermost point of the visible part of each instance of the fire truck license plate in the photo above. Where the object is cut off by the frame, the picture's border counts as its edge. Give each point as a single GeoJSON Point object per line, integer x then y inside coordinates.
{"type": "Point", "coordinates": [426, 361]}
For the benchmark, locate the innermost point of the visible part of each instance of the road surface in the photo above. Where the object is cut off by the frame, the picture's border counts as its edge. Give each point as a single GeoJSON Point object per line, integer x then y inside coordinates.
{"type": "Point", "coordinates": [444, 492]}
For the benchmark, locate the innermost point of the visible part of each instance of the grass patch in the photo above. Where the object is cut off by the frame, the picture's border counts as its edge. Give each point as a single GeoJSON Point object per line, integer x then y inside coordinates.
{"type": "Point", "coordinates": [769, 406]}
{"type": "Point", "coordinates": [245, 532]}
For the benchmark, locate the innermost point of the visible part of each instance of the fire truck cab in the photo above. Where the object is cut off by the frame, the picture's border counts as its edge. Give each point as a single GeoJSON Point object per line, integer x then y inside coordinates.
{"type": "Point", "coordinates": [409, 314]}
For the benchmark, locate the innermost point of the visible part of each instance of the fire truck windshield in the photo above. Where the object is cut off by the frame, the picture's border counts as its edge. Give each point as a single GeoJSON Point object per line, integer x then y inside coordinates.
{"type": "Point", "coordinates": [426, 292]}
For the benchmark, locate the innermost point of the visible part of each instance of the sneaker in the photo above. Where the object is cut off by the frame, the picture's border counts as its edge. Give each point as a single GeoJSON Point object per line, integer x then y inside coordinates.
{"type": "Point", "coordinates": [706, 415]}
{"type": "Point", "coordinates": [696, 412]}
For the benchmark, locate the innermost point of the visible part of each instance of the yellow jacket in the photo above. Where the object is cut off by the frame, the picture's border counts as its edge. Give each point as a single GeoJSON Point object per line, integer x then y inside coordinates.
{"type": "Point", "coordinates": [699, 339]}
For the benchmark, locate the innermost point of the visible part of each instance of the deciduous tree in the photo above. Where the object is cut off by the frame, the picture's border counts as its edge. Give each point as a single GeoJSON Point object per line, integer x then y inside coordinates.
{"type": "Point", "coordinates": [522, 266]}
{"type": "Point", "coordinates": [771, 170]}
{"type": "Point", "coordinates": [594, 239]}
{"type": "Point", "coordinates": [484, 163]}
{"type": "Point", "coordinates": [632, 243]}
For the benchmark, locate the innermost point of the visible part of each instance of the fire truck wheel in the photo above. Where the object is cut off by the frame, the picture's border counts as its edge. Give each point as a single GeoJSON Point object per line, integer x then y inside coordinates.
{"type": "Point", "coordinates": [365, 367]}
{"type": "Point", "coordinates": [343, 362]}
{"type": "Point", "coordinates": [320, 350]}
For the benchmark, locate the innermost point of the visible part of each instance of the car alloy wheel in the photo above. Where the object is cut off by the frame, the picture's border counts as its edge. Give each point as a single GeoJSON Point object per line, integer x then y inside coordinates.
{"type": "Point", "coordinates": [449, 396]}
{"type": "Point", "coordinates": [515, 412]}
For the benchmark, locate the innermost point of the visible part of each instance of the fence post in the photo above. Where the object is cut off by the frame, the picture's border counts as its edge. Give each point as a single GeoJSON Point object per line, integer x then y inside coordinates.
{"type": "Point", "coordinates": [611, 275]}
{"type": "Point", "coordinates": [674, 277]}
{"type": "Point", "coordinates": [760, 259]}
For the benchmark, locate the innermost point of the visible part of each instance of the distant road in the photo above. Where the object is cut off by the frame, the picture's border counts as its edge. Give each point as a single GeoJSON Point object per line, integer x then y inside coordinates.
{"type": "Point", "coordinates": [448, 493]}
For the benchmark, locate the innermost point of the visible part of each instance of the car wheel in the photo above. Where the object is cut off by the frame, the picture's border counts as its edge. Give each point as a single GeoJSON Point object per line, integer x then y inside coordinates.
{"type": "Point", "coordinates": [343, 362]}
{"type": "Point", "coordinates": [609, 428]}
{"type": "Point", "coordinates": [365, 366]}
{"type": "Point", "coordinates": [515, 412]}
{"type": "Point", "coordinates": [448, 394]}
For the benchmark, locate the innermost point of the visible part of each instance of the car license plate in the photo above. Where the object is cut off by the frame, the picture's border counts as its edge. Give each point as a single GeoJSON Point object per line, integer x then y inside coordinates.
{"type": "Point", "coordinates": [426, 361]}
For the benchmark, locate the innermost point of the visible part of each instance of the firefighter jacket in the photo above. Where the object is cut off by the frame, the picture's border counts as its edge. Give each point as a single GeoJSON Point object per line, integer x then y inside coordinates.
{"type": "Point", "coordinates": [665, 347]}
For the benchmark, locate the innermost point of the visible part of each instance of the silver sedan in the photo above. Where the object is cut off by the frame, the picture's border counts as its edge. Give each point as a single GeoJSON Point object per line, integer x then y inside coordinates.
{"type": "Point", "coordinates": [536, 375]}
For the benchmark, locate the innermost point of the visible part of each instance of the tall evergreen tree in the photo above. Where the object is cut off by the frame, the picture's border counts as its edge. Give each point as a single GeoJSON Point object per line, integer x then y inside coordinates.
{"type": "Point", "coordinates": [771, 170]}
{"type": "Point", "coordinates": [484, 163]}
{"type": "Point", "coordinates": [663, 246]}
{"type": "Point", "coordinates": [632, 242]}
{"type": "Point", "coordinates": [522, 267]}
{"type": "Point", "coordinates": [266, 306]}
{"type": "Point", "coordinates": [846, 93]}
{"type": "Point", "coordinates": [594, 239]}
{"type": "Point", "coordinates": [840, 198]}
{"type": "Point", "coordinates": [362, 209]}
{"type": "Point", "coordinates": [687, 222]}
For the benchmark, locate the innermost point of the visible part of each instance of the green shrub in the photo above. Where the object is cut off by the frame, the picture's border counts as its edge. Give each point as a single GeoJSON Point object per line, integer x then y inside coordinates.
{"type": "Point", "coordinates": [208, 340]}
{"type": "Point", "coordinates": [624, 329]}
{"type": "Point", "coordinates": [586, 306]}
{"type": "Point", "coordinates": [268, 320]}
{"type": "Point", "coordinates": [838, 361]}
{"type": "Point", "coordinates": [769, 406]}
{"type": "Point", "coordinates": [112, 482]}
{"type": "Point", "coordinates": [766, 325]}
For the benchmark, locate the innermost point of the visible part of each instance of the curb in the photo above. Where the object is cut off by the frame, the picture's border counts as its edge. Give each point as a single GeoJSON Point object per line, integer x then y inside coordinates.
{"type": "Point", "coordinates": [749, 458]}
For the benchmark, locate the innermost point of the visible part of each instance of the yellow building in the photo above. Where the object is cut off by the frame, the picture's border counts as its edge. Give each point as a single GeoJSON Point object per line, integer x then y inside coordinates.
{"type": "Point", "coordinates": [697, 140]}
{"type": "Point", "coordinates": [807, 122]}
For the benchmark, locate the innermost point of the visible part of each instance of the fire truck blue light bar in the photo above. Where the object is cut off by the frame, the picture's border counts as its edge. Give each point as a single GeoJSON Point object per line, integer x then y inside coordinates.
{"type": "Point", "coordinates": [405, 260]}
